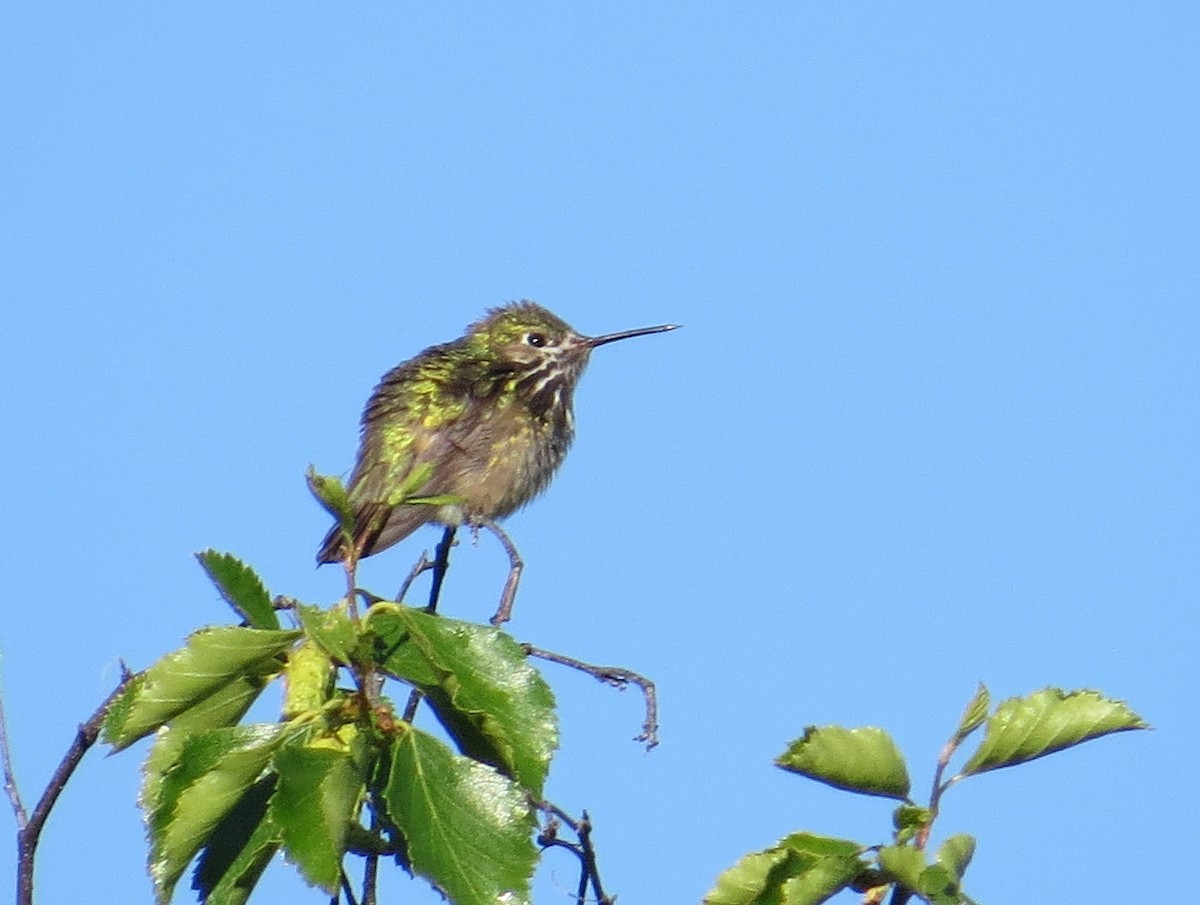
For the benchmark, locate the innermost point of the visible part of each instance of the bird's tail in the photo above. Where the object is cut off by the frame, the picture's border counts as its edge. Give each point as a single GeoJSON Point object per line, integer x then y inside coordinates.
{"type": "Point", "coordinates": [376, 527]}
{"type": "Point", "coordinates": [333, 548]}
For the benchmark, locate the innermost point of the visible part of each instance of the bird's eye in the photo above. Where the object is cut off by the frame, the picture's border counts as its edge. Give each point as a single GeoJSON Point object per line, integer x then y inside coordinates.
{"type": "Point", "coordinates": [537, 340]}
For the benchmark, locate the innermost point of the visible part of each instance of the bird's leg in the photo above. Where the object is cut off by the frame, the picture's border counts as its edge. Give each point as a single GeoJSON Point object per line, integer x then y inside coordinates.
{"type": "Point", "coordinates": [516, 564]}
{"type": "Point", "coordinates": [441, 562]}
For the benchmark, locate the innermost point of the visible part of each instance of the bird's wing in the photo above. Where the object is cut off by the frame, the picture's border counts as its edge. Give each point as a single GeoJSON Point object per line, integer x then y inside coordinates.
{"type": "Point", "coordinates": [415, 438]}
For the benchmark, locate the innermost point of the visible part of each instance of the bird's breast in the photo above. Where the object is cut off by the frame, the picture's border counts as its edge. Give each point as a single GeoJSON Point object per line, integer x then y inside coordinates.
{"type": "Point", "coordinates": [522, 455]}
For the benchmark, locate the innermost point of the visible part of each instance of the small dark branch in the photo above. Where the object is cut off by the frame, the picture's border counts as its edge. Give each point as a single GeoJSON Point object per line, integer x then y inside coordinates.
{"type": "Point", "coordinates": [410, 709]}
{"type": "Point", "coordinates": [589, 861]}
{"type": "Point", "coordinates": [555, 815]}
{"type": "Point", "coordinates": [589, 872]}
{"type": "Point", "coordinates": [371, 866]}
{"type": "Point", "coordinates": [441, 562]}
{"type": "Point", "coordinates": [900, 894]}
{"type": "Point", "coordinates": [581, 891]}
{"type": "Point", "coordinates": [939, 788]}
{"type": "Point", "coordinates": [29, 835]}
{"type": "Point", "coordinates": [10, 776]}
{"type": "Point", "coordinates": [370, 879]}
{"type": "Point", "coordinates": [618, 677]}
{"type": "Point", "coordinates": [369, 599]}
{"type": "Point", "coordinates": [347, 891]}
{"type": "Point", "coordinates": [424, 564]}
{"type": "Point", "coordinates": [369, 683]}
{"type": "Point", "coordinates": [350, 566]}
{"type": "Point", "coordinates": [509, 595]}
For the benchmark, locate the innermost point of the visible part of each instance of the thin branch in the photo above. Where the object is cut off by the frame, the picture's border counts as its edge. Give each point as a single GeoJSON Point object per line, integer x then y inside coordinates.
{"type": "Point", "coordinates": [900, 894]}
{"type": "Point", "coordinates": [584, 829]}
{"type": "Point", "coordinates": [29, 835]}
{"type": "Point", "coordinates": [441, 562]}
{"type": "Point", "coordinates": [350, 566]}
{"type": "Point", "coordinates": [10, 776]}
{"type": "Point", "coordinates": [939, 788]}
{"type": "Point", "coordinates": [618, 677]}
{"type": "Point", "coordinates": [439, 565]}
{"type": "Point", "coordinates": [371, 866]}
{"type": "Point", "coordinates": [935, 794]}
{"type": "Point", "coordinates": [347, 890]}
{"type": "Point", "coordinates": [423, 564]}
{"type": "Point", "coordinates": [410, 709]}
{"type": "Point", "coordinates": [589, 871]}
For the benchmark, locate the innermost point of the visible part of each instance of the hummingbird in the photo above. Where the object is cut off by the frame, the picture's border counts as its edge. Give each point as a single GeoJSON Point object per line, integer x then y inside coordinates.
{"type": "Point", "coordinates": [467, 432]}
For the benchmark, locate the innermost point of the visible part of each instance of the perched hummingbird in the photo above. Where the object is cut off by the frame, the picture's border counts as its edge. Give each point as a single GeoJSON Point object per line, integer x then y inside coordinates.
{"type": "Point", "coordinates": [478, 426]}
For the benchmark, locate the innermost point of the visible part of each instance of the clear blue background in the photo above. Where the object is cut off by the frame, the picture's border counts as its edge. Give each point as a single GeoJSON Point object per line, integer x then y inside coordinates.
{"type": "Point", "coordinates": [932, 420]}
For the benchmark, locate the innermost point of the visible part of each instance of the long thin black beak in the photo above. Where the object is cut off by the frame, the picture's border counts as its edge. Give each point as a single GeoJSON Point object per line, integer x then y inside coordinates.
{"type": "Point", "coordinates": [594, 341]}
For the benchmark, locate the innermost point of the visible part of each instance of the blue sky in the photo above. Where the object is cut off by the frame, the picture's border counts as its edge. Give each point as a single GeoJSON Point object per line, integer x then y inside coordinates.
{"type": "Point", "coordinates": [932, 420]}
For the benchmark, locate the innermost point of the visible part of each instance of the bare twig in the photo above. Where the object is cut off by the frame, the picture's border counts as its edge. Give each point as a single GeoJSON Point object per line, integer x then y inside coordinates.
{"type": "Point", "coordinates": [350, 566]}
{"type": "Point", "coordinates": [589, 872]}
{"type": "Point", "coordinates": [371, 866]}
{"type": "Point", "coordinates": [369, 682]}
{"type": "Point", "coordinates": [347, 890]}
{"type": "Point", "coordinates": [939, 787]}
{"type": "Point", "coordinates": [29, 833]}
{"type": "Point", "coordinates": [439, 565]}
{"type": "Point", "coordinates": [618, 677]}
{"type": "Point", "coordinates": [935, 795]}
{"type": "Point", "coordinates": [423, 564]}
{"type": "Point", "coordinates": [441, 562]}
{"type": "Point", "coordinates": [900, 894]}
{"type": "Point", "coordinates": [410, 709]}
{"type": "Point", "coordinates": [10, 776]}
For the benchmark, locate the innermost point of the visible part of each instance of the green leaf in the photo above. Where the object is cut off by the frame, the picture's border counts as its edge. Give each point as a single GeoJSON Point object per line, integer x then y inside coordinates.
{"type": "Point", "coordinates": [415, 480]}
{"type": "Point", "coordinates": [228, 704]}
{"type": "Point", "coordinates": [479, 683]}
{"type": "Point", "coordinates": [331, 629]}
{"type": "Point", "coordinates": [827, 866]}
{"type": "Point", "coordinates": [815, 846]}
{"type": "Point", "coordinates": [974, 715]}
{"type": "Point", "coordinates": [318, 794]}
{"type": "Point", "coordinates": [802, 869]}
{"type": "Point", "coordinates": [215, 769]}
{"type": "Point", "coordinates": [747, 882]}
{"type": "Point", "coordinates": [904, 864]}
{"type": "Point", "coordinates": [239, 849]}
{"type": "Point", "coordinates": [956, 853]}
{"type": "Point", "coordinates": [937, 886]}
{"type": "Point", "coordinates": [819, 882]}
{"type": "Point", "coordinates": [213, 659]}
{"type": "Point", "coordinates": [331, 493]}
{"type": "Point", "coordinates": [241, 587]}
{"type": "Point", "coordinates": [223, 708]}
{"type": "Point", "coordinates": [468, 827]}
{"type": "Point", "coordinates": [1046, 721]}
{"type": "Point", "coordinates": [392, 648]}
{"type": "Point", "coordinates": [935, 883]}
{"type": "Point", "coordinates": [910, 819]}
{"type": "Point", "coordinates": [443, 499]}
{"type": "Point", "coordinates": [308, 679]}
{"type": "Point", "coordinates": [864, 760]}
